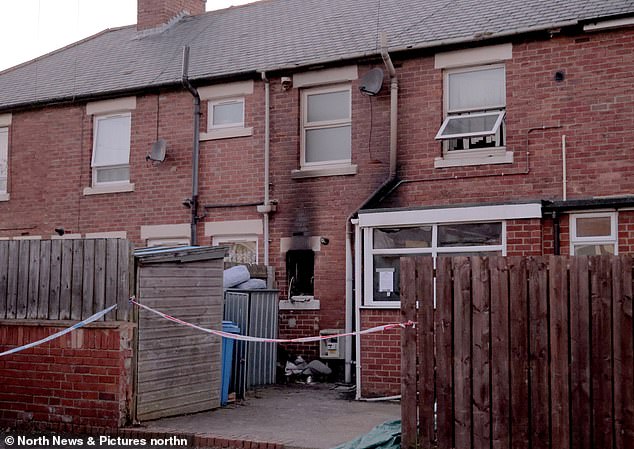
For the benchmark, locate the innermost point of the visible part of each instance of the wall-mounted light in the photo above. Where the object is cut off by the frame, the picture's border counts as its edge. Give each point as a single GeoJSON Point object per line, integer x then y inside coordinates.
{"type": "Point", "coordinates": [324, 240]}
{"type": "Point", "coordinates": [60, 231]}
{"type": "Point", "coordinates": [287, 83]}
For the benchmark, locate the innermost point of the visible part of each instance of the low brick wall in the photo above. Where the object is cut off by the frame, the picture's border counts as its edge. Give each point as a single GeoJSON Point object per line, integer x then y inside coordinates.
{"type": "Point", "coordinates": [380, 354]}
{"type": "Point", "coordinates": [80, 381]}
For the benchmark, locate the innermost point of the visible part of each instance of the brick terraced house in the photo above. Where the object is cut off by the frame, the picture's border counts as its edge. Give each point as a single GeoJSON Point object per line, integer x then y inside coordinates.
{"type": "Point", "coordinates": [333, 137]}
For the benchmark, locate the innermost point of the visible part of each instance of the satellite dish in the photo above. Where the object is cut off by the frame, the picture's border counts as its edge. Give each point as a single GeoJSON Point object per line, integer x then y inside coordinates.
{"type": "Point", "coordinates": [371, 82]}
{"type": "Point", "coordinates": [157, 153]}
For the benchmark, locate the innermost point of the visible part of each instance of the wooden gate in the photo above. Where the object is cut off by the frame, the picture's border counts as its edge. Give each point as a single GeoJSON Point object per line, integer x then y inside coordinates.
{"type": "Point", "coordinates": [518, 352]}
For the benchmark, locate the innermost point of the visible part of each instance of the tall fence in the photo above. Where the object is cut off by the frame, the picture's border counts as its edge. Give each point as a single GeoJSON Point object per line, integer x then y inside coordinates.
{"type": "Point", "coordinates": [518, 352]}
{"type": "Point", "coordinates": [64, 279]}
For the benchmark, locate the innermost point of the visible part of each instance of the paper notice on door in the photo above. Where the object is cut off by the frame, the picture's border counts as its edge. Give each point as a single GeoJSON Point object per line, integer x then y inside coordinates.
{"type": "Point", "coordinates": [386, 280]}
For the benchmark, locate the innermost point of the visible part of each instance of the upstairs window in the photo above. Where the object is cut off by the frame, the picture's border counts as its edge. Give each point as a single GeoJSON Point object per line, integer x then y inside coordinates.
{"type": "Point", "coordinates": [593, 234]}
{"type": "Point", "coordinates": [227, 113]}
{"type": "Point", "coordinates": [475, 103]}
{"type": "Point", "coordinates": [111, 149]}
{"type": "Point", "coordinates": [326, 126]}
{"type": "Point", "coordinates": [4, 159]}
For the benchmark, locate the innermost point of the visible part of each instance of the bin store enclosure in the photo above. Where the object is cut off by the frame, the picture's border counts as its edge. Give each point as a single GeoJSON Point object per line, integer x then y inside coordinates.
{"type": "Point", "coordinates": [178, 368]}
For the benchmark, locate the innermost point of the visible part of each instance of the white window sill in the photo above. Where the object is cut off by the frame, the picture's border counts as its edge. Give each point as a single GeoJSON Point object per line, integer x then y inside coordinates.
{"type": "Point", "coordinates": [311, 304]}
{"type": "Point", "coordinates": [382, 305]}
{"type": "Point", "coordinates": [325, 170]}
{"type": "Point", "coordinates": [476, 159]}
{"type": "Point", "coordinates": [226, 133]}
{"type": "Point", "coordinates": [4, 197]}
{"type": "Point", "coordinates": [115, 188]}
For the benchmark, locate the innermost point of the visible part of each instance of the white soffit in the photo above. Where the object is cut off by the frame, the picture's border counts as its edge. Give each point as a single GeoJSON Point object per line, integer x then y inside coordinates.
{"type": "Point", "coordinates": [609, 24]}
{"type": "Point", "coordinates": [473, 56]}
{"type": "Point", "coordinates": [451, 215]}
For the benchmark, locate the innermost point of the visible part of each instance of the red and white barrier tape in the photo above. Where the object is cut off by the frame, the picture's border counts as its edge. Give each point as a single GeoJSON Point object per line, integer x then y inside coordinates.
{"type": "Point", "coordinates": [371, 330]}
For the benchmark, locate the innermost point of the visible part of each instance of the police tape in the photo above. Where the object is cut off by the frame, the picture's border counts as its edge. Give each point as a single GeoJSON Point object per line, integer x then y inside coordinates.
{"type": "Point", "coordinates": [371, 330]}
{"type": "Point", "coordinates": [76, 326]}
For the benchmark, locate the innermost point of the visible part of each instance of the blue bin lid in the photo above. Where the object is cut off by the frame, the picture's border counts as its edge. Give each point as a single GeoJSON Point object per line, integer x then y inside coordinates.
{"type": "Point", "coordinates": [231, 327]}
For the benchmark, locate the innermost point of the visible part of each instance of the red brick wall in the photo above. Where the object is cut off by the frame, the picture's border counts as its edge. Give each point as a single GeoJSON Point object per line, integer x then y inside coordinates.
{"type": "Point", "coordinates": [592, 107]}
{"type": "Point", "coordinates": [626, 232]}
{"type": "Point", "coordinates": [380, 355]}
{"type": "Point", "coordinates": [297, 324]}
{"type": "Point", "coordinates": [76, 382]}
{"type": "Point", "coordinates": [524, 237]}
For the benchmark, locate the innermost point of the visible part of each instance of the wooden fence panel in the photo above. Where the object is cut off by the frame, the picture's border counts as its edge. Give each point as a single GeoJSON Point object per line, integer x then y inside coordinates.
{"type": "Point", "coordinates": [481, 353]}
{"type": "Point", "coordinates": [558, 293]}
{"type": "Point", "coordinates": [4, 276]}
{"type": "Point", "coordinates": [500, 350]}
{"type": "Point", "coordinates": [600, 277]}
{"type": "Point", "coordinates": [55, 285]}
{"type": "Point", "coordinates": [529, 352]}
{"type": "Point", "coordinates": [462, 351]}
{"type": "Point", "coordinates": [67, 276]}
{"type": "Point", "coordinates": [12, 280]}
{"type": "Point", "coordinates": [64, 279]}
{"type": "Point", "coordinates": [623, 353]}
{"type": "Point", "coordinates": [45, 280]}
{"type": "Point", "coordinates": [88, 279]}
{"type": "Point", "coordinates": [538, 327]}
{"type": "Point", "coordinates": [519, 350]}
{"type": "Point", "coordinates": [23, 279]}
{"type": "Point", "coordinates": [444, 345]}
{"type": "Point", "coordinates": [580, 353]}
{"type": "Point", "coordinates": [33, 279]}
{"type": "Point", "coordinates": [408, 346]}
{"type": "Point", "coordinates": [425, 342]}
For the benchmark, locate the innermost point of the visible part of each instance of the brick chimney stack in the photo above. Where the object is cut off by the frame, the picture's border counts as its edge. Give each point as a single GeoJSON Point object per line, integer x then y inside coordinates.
{"type": "Point", "coordinates": [153, 13]}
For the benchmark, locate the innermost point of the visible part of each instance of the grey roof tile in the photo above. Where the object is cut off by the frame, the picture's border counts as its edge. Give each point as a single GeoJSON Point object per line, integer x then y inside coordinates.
{"type": "Point", "coordinates": [273, 34]}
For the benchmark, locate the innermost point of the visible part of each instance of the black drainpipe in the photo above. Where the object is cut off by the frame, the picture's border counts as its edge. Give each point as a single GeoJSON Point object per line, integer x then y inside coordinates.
{"type": "Point", "coordinates": [193, 202]}
{"type": "Point", "coordinates": [556, 232]}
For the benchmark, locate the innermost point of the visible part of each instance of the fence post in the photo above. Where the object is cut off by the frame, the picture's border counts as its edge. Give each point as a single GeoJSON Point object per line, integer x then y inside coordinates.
{"type": "Point", "coordinates": [408, 354]}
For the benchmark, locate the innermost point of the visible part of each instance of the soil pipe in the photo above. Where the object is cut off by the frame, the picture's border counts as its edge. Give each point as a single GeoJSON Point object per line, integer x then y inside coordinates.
{"type": "Point", "coordinates": [350, 306]}
{"type": "Point", "coordinates": [266, 209]}
{"type": "Point", "coordinates": [196, 147]}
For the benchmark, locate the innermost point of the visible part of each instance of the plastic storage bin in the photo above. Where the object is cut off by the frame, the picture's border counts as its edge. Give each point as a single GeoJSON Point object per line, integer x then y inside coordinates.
{"type": "Point", "coordinates": [227, 360]}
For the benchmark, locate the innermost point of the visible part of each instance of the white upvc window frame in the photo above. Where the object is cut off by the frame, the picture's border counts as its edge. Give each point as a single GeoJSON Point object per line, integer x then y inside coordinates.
{"type": "Point", "coordinates": [211, 104]}
{"type": "Point", "coordinates": [434, 250]}
{"type": "Point", "coordinates": [218, 240]}
{"type": "Point", "coordinates": [324, 124]}
{"type": "Point", "coordinates": [473, 156]}
{"type": "Point", "coordinates": [611, 239]}
{"type": "Point", "coordinates": [106, 184]}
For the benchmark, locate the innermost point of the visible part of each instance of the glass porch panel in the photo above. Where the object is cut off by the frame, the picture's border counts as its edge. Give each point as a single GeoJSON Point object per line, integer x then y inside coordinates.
{"type": "Point", "coordinates": [386, 285]}
{"type": "Point", "coordinates": [470, 234]}
{"type": "Point", "coordinates": [414, 237]}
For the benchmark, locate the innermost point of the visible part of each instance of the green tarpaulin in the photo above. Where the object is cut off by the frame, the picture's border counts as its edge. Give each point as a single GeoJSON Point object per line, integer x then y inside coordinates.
{"type": "Point", "coordinates": [384, 436]}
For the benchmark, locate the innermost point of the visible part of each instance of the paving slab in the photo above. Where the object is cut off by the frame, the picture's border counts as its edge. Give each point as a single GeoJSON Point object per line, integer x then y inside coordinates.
{"type": "Point", "coordinates": [307, 416]}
